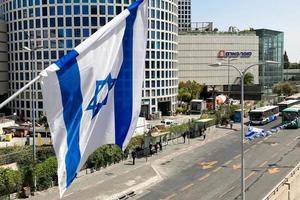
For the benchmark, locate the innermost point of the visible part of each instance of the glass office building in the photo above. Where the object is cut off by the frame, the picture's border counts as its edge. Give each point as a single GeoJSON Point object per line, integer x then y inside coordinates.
{"type": "Point", "coordinates": [270, 48]}
{"type": "Point", "coordinates": [59, 25]}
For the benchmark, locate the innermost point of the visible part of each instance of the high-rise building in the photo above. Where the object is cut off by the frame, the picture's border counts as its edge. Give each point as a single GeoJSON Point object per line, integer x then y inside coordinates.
{"type": "Point", "coordinates": [60, 25]}
{"type": "Point", "coordinates": [3, 59]}
{"type": "Point", "coordinates": [184, 15]}
{"type": "Point", "coordinates": [270, 48]}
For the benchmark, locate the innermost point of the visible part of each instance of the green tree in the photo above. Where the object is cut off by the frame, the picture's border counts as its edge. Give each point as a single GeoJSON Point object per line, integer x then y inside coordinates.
{"type": "Point", "coordinates": [285, 89]}
{"type": "Point", "coordinates": [286, 61]}
{"type": "Point", "coordinates": [189, 90]}
{"type": "Point", "coordinates": [248, 79]}
{"type": "Point", "coordinates": [43, 121]}
{"type": "Point", "coordinates": [294, 66]}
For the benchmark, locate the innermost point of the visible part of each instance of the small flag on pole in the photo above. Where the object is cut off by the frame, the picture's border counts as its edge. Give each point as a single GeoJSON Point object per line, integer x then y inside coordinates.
{"type": "Point", "coordinates": [92, 95]}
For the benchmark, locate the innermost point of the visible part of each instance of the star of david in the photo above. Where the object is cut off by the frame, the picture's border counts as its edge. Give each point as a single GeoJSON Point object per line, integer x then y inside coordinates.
{"type": "Point", "coordinates": [94, 105]}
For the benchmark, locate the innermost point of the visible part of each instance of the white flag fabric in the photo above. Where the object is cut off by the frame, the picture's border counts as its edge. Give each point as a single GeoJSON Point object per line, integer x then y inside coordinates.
{"type": "Point", "coordinates": [92, 95]}
{"type": "Point", "coordinates": [254, 132]}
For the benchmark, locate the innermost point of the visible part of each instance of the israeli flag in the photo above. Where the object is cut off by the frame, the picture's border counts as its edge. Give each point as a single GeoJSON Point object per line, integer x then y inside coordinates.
{"type": "Point", "coordinates": [92, 95]}
{"type": "Point", "coordinates": [254, 132]}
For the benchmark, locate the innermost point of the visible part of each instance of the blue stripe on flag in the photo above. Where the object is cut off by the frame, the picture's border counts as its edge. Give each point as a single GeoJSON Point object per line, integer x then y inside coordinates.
{"type": "Point", "coordinates": [69, 82]}
{"type": "Point", "coordinates": [124, 83]}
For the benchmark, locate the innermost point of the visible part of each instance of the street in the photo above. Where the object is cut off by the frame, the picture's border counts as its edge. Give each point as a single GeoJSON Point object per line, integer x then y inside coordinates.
{"type": "Point", "coordinates": [200, 169]}
{"type": "Point", "coordinates": [214, 169]}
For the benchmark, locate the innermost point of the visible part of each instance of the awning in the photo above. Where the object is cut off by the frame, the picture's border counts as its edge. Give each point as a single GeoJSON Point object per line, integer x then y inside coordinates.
{"type": "Point", "coordinates": [203, 121]}
{"type": "Point", "coordinates": [157, 134]}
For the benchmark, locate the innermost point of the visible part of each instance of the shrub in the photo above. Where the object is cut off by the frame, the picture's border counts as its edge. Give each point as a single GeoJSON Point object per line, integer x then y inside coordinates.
{"type": "Point", "coordinates": [46, 173]}
{"type": "Point", "coordinates": [27, 175]}
{"type": "Point", "coordinates": [104, 156]}
{"type": "Point", "coordinates": [10, 181]}
{"type": "Point", "coordinates": [23, 155]}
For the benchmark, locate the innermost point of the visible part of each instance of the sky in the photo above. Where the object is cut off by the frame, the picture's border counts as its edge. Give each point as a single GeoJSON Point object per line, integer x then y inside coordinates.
{"type": "Point", "coordinates": [281, 15]}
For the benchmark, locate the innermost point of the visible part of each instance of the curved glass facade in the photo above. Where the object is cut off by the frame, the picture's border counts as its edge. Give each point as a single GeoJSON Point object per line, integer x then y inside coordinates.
{"type": "Point", "coordinates": [59, 25]}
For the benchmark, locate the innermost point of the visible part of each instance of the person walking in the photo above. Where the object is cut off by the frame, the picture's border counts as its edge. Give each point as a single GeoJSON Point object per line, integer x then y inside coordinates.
{"type": "Point", "coordinates": [150, 149]}
{"type": "Point", "coordinates": [156, 148]}
{"type": "Point", "coordinates": [204, 132]}
{"type": "Point", "coordinates": [184, 137]}
{"type": "Point", "coordinates": [160, 146]}
{"type": "Point", "coordinates": [133, 155]}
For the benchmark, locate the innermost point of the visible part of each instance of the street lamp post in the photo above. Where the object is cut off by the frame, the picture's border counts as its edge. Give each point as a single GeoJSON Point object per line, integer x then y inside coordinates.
{"type": "Point", "coordinates": [33, 105]}
{"type": "Point", "coordinates": [242, 75]}
{"type": "Point", "coordinates": [229, 60]}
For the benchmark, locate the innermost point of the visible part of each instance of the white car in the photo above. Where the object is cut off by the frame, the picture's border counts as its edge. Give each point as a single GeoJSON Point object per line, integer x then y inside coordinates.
{"type": "Point", "coordinates": [169, 122]}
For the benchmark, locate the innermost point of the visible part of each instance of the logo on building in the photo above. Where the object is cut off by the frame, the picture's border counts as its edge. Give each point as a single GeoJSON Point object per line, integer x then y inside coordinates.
{"type": "Point", "coordinates": [234, 54]}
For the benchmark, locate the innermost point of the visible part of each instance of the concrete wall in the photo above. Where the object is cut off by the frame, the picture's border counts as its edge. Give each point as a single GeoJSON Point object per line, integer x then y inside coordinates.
{"type": "Point", "coordinates": [196, 51]}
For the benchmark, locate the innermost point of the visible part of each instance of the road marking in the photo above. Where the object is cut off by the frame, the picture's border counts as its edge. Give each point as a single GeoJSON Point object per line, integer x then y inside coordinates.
{"type": "Point", "coordinates": [296, 138]}
{"type": "Point", "coordinates": [186, 187]}
{"type": "Point", "coordinates": [251, 174]}
{"type": "Point", "coordinates": [237, 156]}
{"type": "Point", "coordinates": [204, 177]}
{"type": "Point", "coordinates": [170, 197]}
{"type": "Point", "coordinates": [68, 194]}
{"type": "Point", "coordinates": [253, 146]}
{"type": "Point", "coordinates": [260, 142]}
{"type": "Point", "coordinates": [208, 165]}
{"type": "Point", "coordinates": [236, 166]}
{"type": "Point", "coordinates": [274, 170]}
{"type": "Point", "coordinates": [227, 163]}
{"type": "Point", "coordinates": [262, 164]}
{"type": "Point", "coordinates": [246, 150]}
{"type": "Point", "coordinates": [230, 189]}
{"type": "Point", "coordinates": [217, 169]}
{"type": "Point", "coordinates": [266, 138]}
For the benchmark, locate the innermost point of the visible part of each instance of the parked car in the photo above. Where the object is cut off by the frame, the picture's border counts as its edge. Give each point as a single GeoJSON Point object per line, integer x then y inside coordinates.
{"type": "Point", "coordinates": [169, 122]}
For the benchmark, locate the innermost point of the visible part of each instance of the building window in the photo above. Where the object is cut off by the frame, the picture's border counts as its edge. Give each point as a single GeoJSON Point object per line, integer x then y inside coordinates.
{"type": "Point", "coordinates": [94, 21]}
{"type": "Point", "coordinates": [110, 10]}
{"type": "Point", "coordinates": [45, 11]}
{"type": "Point", "coordinates": [52, 11]}
{"type": "Point", "coordinates": [93, 10]}
{"type": "Point", "coordinates": [85, 10]}
{"type": "Point", "coordinates": [102, 10]}
{"type": "Point", "coordinates": [76, 10]}
{"type": "Point", "coordinates": [60, 10]}
{"type": "Point", "coordinates": [85, 32]}
{"type": "Point", "coordinates": [76, 21]}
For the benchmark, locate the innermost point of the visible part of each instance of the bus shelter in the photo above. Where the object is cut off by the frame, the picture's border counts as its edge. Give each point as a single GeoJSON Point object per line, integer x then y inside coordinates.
{"type": "Point", "coordinates": [160, 137]}
{"type": "Point", "coordinates": [201, 126]}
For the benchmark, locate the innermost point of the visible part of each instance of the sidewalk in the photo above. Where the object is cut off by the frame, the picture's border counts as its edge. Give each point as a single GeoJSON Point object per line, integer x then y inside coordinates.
{"type": "Point", "coordinates": [117, 180]}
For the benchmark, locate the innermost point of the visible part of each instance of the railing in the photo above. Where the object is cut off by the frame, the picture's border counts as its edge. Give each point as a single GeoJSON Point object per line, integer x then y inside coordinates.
{"type": "Point", "coordinates": [281, 183]}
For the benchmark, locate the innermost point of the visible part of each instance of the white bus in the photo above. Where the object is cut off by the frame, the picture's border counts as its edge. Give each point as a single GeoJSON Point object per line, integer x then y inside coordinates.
{"type": "Point", "coordinates": [286, 104]}
{"type": "Point", "coordinates": [293, 97]}
{"type": "Point", "coordinates": [263, 115]}
{"type": "Point", "coordinates": [197, 106]}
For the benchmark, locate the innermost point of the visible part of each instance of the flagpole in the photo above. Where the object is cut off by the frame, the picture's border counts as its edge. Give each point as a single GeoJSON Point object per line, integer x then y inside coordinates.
{"type": "Point", "coordinates": [20, 91]}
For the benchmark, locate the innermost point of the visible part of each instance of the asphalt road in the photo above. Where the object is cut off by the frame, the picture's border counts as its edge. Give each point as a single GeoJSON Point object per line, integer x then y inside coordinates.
{"type": "Point", "coordinates": [213, 171]}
